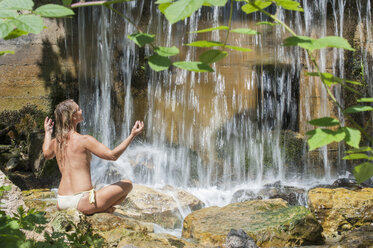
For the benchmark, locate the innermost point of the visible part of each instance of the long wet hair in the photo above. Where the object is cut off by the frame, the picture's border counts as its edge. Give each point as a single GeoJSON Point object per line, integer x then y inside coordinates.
{"type": "Point", "coordinates": [63, 115]}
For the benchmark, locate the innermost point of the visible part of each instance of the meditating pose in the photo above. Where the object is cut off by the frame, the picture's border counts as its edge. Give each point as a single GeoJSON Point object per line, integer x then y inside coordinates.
{"type": "Point", "coordinates": [73, 154]}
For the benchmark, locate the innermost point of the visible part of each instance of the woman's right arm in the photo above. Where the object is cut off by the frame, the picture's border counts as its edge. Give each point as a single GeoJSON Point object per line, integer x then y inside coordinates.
{"type": "Point", "coordinates": [102, 151]}
{"type": "Point", "coordinates": [48, 144]}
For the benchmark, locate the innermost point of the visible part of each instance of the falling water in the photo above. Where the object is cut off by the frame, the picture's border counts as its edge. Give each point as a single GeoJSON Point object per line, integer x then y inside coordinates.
{"type": "Point", "coordinates": [219, 130]}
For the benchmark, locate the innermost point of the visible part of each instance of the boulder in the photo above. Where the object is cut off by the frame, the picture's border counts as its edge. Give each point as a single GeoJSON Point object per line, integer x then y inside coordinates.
{"type": "Point", "coordinates": [117, 231]}
{"type": "Point", "coordinates": [293, 195]}
{"type": "Point", "coordinates": [10, 199]}
{"type": "Point", "coordinates": [239, 239]}
{"type": "Point", "coordinates": [269, 222]}
{"type": "Point", "coordinates": [165, 207]}
{"type": "Point", "coordinates": [360, 237]}
{"type": "Point", "coordinates": [340, 210]}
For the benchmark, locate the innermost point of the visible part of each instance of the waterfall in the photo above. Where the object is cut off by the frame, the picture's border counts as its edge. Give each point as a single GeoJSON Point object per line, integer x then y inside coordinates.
{"type": "Point", "coordinates": [220, 129]}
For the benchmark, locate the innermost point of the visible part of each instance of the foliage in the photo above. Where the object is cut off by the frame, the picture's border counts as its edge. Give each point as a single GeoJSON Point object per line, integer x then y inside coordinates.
{"type": "Point", "coordinates": [12, 231]}
{"type": "Point", "coordinates": [29, 114]}
{"type": "Point", "coordinates": [17, 18]}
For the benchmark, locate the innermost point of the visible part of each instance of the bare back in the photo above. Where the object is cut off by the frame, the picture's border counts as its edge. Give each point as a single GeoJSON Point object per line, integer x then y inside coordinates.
{"type": "Point", "coordinates": [75, 166]}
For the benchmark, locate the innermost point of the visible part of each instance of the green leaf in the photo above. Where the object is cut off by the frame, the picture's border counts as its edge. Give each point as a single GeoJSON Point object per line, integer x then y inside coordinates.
{"type": "Point", "coordinates": [5, 29]}
{"type": "Point", "coordinates": [67, 2]}
{"type": "Point", "coordinates": [241, 49]}
{"type": "Point", "coordinates": [193, 66]}
{"type": "Point", "coordinates": [324, 122]}
{"type": "Point", "coordinates": [163, 1]}
{"type": "Point", "coordinates": [357, 108]}
{"type": "Point", "coordinates": [219, 3]}
{"type": "Point", "coordinates": [167, 51]}
{"type": "Point", "coordinates": [29, 23]}
{"type": "Point", "coordinates": [205, 43]}
{"type": "Point", "coordinates": [330, 79]}
{"type": "Point", "coordinates": [212, 56]}
{"type": "Point", "coordinates": [257, 5]}
{"type": "Point", "coordinates": [210, 29]}
{"type": "Point", "coordinates": [312, 44]}
{"type": "Point", "coordinates": [321, 137]}
{"type": "Point", "coordinates": [301, 41]}
{"type": "Point", "coordinates": [159, 63]}
{"type": "Point", "coordinates": [5, 13]}
{"type": "Point", "coordinates": [267, 23]}
{"type": "Point", "coordinates": [15, 34]}
{"type": "Point", "coordinates": [356, 156]}
{"type": "Point", "coordinates": [162, 7]}
{"type": "Point", "coordinates": [245, 31]}
{"type": "Point", "coordinates": [363, 172]}
{"type": "Point", "coordinates": [53, 10]}
{"type": "Point", "coordinates": [181, 9]}
{"type": "Point", "coordinates": [365, 100]}
{"type": "Point", "coordinates": [334, 41]}
{"type": "Point", "coordinates": [289, 5]}
{"type": "Point", "coordinates": [361, 149]}
{"type": "Point", "coordinates": [141, 39]}
{"type": "Point", "coordinates": [353, 136]}
{"type": "Point", "coordinates": [17, 4]}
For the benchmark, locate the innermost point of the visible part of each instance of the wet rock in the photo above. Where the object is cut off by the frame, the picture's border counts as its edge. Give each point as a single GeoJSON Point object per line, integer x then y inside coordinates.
{"type": "Point", "coordinates": [163, 207]}
{"type": "Point", "coordinates": [242, 195]}
{"type": "Point", "coordinates": [293, 195]}
{"type": "Point", "coordinates": [10, 199]}
{"type": "Point", "coordinates": [341, 210]}
{"type": "Point", "coordinates": [360, 237]}
{"type": "Point", "coordinates": [268, 222]}
{"type": "Point", "coordinates": [239, 239]}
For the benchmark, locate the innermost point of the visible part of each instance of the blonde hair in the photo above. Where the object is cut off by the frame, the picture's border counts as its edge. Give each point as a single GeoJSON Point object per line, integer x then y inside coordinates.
{"type": "Point", "coordinates": [63, 115]}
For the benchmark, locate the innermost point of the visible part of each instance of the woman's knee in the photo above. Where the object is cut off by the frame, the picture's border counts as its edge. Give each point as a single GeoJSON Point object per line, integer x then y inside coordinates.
{"type": "Point", "coordinates": [128, 186]}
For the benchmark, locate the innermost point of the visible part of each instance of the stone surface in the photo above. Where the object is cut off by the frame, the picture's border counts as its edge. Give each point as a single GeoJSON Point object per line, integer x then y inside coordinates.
{"type": "Point", "coordinates": [268, 222]}
{"type": "Point", "coordinates": [340, 210]}
{"type": "Point", "coordinates": [12, 199]}
{"type": "Point", "coordinates": [239, 239]}
{"type": "Point", "coordinates": [43, 200]}
{"type": "Point", "coordinates": [116, 230]}
{"type": "Point", "coordinates": [163, 207]}
{"type": "Point", "coordinates": [358, 238]}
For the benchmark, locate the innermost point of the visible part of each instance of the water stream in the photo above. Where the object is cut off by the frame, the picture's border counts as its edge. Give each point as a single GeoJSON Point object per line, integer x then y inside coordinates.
{"type": "Point", "coordinates": [212, 134]}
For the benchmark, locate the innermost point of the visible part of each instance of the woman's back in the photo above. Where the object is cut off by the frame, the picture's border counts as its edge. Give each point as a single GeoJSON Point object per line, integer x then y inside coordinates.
{"type": "Point", "coordinates": [74, 165]}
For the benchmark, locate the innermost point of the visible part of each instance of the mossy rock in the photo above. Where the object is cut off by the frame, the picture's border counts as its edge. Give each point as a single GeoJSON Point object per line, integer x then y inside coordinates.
{"type": "Point", "coordinates": [271, 223]}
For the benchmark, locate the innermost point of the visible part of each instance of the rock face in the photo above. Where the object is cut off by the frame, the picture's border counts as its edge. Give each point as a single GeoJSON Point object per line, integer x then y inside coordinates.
{"type": "Point", "coordinates": [239, 239]}
{"type": "Point", "coordinates": [268, 222]}
{"type": "Point", "coordinates": [11, 199]}
{"type": "Point", "coordinates": [167, 210]}
{"type": "Point", "coordinates": [117, 231]}
{"type": "Point", "coordinates": [340, 210]}
{"type": "Point", "coordinates": [360, 237]}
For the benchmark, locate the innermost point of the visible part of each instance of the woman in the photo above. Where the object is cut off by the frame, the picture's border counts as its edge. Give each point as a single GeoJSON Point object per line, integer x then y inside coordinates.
{"type": "Point", "coordinates": [73, 154]}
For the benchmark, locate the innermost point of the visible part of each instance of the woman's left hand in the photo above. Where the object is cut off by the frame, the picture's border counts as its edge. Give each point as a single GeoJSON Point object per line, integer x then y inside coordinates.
{"type": "Point", "coordinates": [137, 128]}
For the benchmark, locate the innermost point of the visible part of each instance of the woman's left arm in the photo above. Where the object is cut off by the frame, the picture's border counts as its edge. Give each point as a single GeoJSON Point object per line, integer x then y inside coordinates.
{"type": "Point", "coordinates": [48, 145]}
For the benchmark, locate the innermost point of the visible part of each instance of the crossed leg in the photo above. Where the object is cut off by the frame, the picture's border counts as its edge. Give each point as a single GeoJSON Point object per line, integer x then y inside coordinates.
{"type": "Point", "coordinates": [106, 198]}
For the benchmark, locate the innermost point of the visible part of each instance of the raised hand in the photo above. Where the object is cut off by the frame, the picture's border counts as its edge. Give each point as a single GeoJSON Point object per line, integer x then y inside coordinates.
{"type": "Point", "coordinates": [137, 128]}
{"type": "Point", "coordinates": [48, 125]}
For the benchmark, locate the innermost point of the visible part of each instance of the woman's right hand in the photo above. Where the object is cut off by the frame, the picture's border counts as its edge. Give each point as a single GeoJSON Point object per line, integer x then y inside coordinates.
{"type": "Point", "coordinates": [48, 125]}
{"type": "Point", "coordinates": [137, 128]}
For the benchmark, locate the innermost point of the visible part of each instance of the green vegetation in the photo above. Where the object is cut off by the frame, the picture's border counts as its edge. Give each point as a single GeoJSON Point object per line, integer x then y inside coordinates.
{"type": "Point", "coordinates": [12, 231]}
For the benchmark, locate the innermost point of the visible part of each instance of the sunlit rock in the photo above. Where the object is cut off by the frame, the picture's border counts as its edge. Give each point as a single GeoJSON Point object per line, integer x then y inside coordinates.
{"type": "Point", "coordinates": [340, 210]}
{"type": "Point", "coordinates": [117, 231]}
{"type": "Point", "coordinates": [10, 199]}
{"type": "Point", "coordinates": [268, 222]}
{"type": "Point", "coordinates": [43, 200]}
{"type": "Point", "coordinates": [165, 207]}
